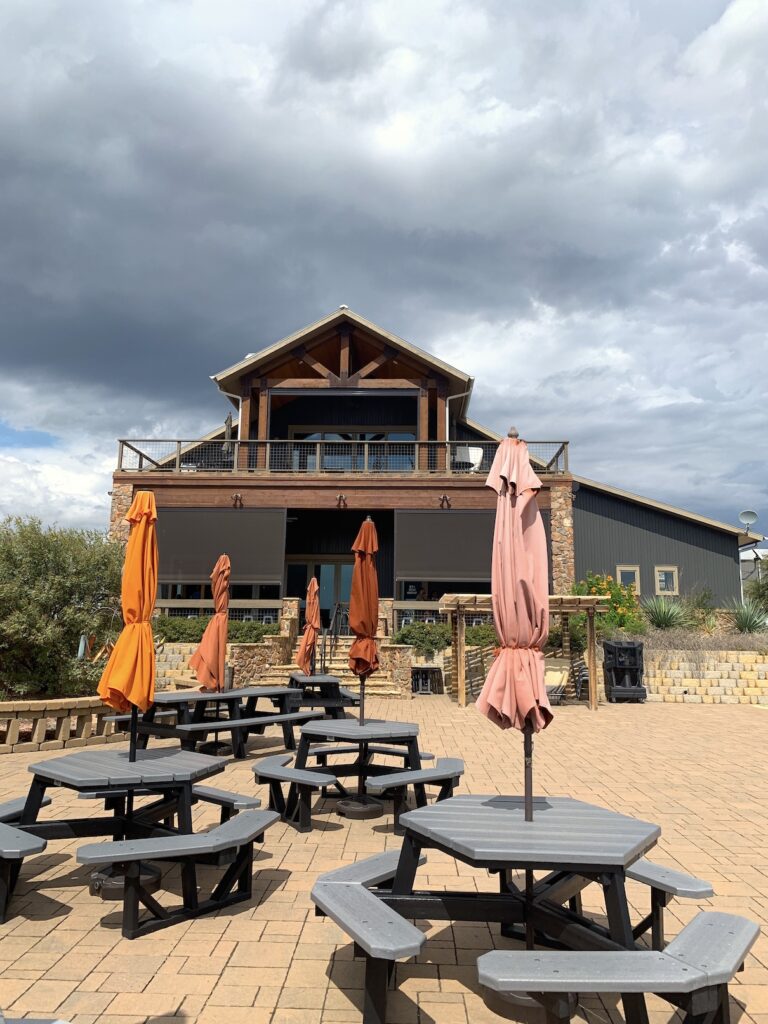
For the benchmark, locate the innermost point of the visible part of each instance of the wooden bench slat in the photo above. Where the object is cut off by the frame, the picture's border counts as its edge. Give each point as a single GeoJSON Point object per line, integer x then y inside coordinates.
{"type": "Point", "coordinates": [669, 880]}
{"type": "Point", "coordinates": [277, 768]}
{"type": "Point", "coordinates": [569, 971]}
{"type": "Point", "coordinates": [714, 943]}
{"type": "Point", "coordinates": [445, 768]}
{"type": "Point", "coordinates": [377, 929]}
{"type": "Point", "coordinates": [225, 724]}
{"type": "Point", "coordinates": [243, 828]}
{"type": "Point", "coordinates": [11, 810]}
{"type": "Point", "coordinates": [15, 844]}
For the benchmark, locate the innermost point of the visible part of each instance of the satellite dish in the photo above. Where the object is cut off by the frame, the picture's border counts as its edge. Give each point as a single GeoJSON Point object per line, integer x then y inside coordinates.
{"type": "Point", "coordinates": [747, 517]}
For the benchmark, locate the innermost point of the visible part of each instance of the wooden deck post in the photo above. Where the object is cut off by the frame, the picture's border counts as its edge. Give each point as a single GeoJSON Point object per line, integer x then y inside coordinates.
{"type": "Point", "coordinates": [592, 658]}
{"type": "Point", "coordinates": [459, 657]}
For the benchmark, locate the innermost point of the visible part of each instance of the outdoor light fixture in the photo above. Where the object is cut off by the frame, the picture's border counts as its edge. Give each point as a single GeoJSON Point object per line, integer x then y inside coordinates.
{"type": "Point", "coordinates": [341, 501]}
{"type": "Point", "coordinates": [237, 500]}
{"type": "Point", "coordinates": [445, 501]}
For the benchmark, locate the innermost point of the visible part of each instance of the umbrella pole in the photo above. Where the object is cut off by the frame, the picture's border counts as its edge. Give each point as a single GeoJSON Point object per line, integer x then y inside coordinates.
{"type": "Point", "coordinates": [134, 733]}
{"type": "Point", "coordinates": [528, 797]}
{"type": "Point", "coordinates": [362, 699]}
{"type": "Point", "coordinates": [528, 757]}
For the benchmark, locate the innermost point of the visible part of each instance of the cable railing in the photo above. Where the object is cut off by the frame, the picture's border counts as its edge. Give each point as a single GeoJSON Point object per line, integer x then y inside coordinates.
{"type": "Point", "coordinates": [357, 458]}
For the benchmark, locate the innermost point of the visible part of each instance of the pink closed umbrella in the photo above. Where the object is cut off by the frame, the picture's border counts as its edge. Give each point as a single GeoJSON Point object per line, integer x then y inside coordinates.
{"type": "Point", "coordinates": [514, 694]}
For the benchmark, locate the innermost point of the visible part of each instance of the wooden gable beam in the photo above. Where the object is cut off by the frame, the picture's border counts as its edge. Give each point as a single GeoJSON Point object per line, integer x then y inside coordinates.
{"type": "Point", "coordinates": [369, 384]}
{"type": "Point", "coordinates": [306, 357]}
{"type": "Point", "coordinates": [374, 364]}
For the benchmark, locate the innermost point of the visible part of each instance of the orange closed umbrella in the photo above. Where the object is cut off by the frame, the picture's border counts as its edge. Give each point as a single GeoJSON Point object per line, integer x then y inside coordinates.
{"type": "Point", "coordinates": [514, 694]}
{"type": "Point", "coordinates": [311, 629]}
{"type": "Point", "coordinates": [364, 608]}
{"type": "Point", "coordinates": [128, 681]}
{"type": "Point", "coordinates": [209, 659]}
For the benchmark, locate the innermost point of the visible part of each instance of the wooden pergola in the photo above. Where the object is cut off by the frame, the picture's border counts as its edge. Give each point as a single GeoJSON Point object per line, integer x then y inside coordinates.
{"type": "Point", "coordinates": [458, 606]}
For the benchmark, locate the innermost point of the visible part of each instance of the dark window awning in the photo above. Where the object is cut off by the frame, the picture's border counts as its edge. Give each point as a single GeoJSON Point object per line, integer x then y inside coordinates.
{"type": "Point", "coordinates": [443, 545]}
{"type": "Point", "coordinates": [190, 540]}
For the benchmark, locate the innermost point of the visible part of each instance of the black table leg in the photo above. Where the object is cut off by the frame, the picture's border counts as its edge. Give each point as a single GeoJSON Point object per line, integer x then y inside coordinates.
{"type": "Point", "coordinates": [302, 753]}
{"type": "Point", "coordinates": [286, 706]}
{"type": "Point", "coordinates": [147, 719]}
{"type": "Point", "coordinates": [183, 717]}
{"type": "Point", "coordinates": [238, 735]}
{"type": "Point", "coordinates": [414, 755]}
{"type": "Point", "coordinates": [184, 810]}
{"type": "Point", "coordinates": [407, 866]}
{"type": "Point", "coordinates": [28, 817]}
{"type": "Point", "coordinates": [620, 928]}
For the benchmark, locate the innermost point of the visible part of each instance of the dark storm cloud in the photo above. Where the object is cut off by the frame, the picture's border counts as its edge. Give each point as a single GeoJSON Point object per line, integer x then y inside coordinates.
{"type": "Point", "coordinates": [566, 199]}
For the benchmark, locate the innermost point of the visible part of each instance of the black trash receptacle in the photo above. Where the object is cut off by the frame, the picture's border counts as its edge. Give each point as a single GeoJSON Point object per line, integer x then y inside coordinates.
{"type": "Point", "coordinates": [623, 670]}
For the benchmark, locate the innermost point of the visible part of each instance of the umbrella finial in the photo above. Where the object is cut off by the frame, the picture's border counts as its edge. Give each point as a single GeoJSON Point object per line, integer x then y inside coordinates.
{"type": "Point", "coordinates": [368, 519]}
{"type": "Point", "coordinates": [513, 432]}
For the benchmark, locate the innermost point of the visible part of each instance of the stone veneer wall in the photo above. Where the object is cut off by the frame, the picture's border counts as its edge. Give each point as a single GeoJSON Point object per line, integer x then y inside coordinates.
{"type": "Point", "coordinates": [397, 659]}
{"type": "Point", "coordinates": [252, 661]}
{"type": "Point", "coordinates": [707, 677]}
{"type": "Point", "coordinates": [122, 496]}
{"type": "Point", "coordinates": [561, 528]}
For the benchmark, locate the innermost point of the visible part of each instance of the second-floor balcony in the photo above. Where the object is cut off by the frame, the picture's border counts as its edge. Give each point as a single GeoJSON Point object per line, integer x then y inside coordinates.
{"type": "Point", "coordinates": [394, 458]}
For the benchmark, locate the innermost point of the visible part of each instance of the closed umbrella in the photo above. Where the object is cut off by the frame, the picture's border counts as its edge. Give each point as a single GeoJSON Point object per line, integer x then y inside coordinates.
{"type": "Point", "coordinates": [209, 660]}
{"type": "Point", "coordinates": [514, 694]}
{"type": "Point", "coordinates": [306, 656]}
{"type": "Point", "coordinates": [128, 681]}
{"type": "Point", "coordinates": [364, 607]}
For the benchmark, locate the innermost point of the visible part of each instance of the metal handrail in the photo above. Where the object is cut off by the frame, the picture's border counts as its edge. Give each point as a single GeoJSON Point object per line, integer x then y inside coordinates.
{"type": "Point", "coordinates": [393, 458]}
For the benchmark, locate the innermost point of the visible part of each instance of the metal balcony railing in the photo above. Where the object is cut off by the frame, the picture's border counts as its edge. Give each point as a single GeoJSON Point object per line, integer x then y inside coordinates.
{"type": "Point", "coordinates": [396, 458]}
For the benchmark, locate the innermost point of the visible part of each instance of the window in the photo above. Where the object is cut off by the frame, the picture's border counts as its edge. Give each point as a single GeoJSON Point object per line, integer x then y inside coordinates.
{"type": "Point", "coordinates": [666, 579]}
{"type": "Point", "coordinates": [628, 576]}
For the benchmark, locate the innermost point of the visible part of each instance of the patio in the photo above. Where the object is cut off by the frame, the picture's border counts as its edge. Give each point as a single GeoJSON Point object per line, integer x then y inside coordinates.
{"type": "Point", "coordinates": [698, 772]}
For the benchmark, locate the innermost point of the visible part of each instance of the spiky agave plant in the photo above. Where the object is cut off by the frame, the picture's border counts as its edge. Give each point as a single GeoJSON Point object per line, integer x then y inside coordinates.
{"type": "Point", "coordinates": [748, 616]}
{"type": "Point", "coordinates": [663, 613]}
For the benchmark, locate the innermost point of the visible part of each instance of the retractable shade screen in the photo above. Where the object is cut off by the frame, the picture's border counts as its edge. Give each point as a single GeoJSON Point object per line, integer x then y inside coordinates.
{"type": "Point", "coordinates": [445, 544]}
{"type": "Point", "coordinates": [190, 541]}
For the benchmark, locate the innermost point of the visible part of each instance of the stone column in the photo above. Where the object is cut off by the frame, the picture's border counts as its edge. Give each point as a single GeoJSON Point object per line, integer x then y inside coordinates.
{"type": "Point", "coordinates": [122, 496]}
{"type": "Point", "coordinates": [561, 528]}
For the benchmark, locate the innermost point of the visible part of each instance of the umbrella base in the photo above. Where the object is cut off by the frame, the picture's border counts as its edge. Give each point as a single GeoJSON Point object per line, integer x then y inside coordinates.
{"type": "Point", "coordinates": [109, 884]}
{"type": "Point", "coordinates": [360, 807]}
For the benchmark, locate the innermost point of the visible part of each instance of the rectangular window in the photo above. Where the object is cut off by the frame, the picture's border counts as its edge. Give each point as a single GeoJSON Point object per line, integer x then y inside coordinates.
{"type": "Point", "coordinates": [666, 580]}
{"type": "Point", "coordinates": [628, 576]}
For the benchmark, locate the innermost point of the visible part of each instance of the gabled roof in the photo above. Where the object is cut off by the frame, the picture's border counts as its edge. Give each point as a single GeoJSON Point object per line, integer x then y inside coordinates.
{"type": "Point", "coordinates": [226, 379]}
{"type": "Point", "coordinates": [744, 536]}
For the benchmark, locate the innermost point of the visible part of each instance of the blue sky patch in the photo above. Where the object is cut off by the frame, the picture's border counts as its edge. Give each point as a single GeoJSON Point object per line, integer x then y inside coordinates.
{"type": "Point", "coordinates": [10, 438]}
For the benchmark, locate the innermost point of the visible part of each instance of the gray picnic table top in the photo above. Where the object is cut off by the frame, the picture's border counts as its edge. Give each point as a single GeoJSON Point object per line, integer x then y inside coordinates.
{"type": "Point", "coordinates": [89, 768]}
{"type": "Point", "coordinates": [564, 833]}
{"type": "Point", "coordinates": [241, 693]}
{"type": "Point", "coordinates": [350, 730]}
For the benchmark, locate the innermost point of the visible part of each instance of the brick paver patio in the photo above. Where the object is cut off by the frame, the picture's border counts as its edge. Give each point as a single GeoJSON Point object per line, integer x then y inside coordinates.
{"type": "Point", "coordinates": [699, 772]}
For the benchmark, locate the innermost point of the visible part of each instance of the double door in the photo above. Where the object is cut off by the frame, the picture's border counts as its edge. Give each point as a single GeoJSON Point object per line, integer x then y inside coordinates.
{"type": "Point", "coordinates": [334, 579]}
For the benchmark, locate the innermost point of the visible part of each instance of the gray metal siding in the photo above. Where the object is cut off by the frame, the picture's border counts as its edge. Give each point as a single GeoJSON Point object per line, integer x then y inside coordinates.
{"type": "Point", "coordinates": [609, 531]}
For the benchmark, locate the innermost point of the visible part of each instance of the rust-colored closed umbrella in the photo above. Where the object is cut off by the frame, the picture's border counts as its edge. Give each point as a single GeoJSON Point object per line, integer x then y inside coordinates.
{"type": "Point", "coordinates": [364, 607]}
{"type": "Point", "coordinates": [128, 681]}
{"type": "Point", "coordinates": [306, 656]}
{"type": "Point", "coordinates": [514, 694]}
{"type": "Point", "coordinates": [209, 660]}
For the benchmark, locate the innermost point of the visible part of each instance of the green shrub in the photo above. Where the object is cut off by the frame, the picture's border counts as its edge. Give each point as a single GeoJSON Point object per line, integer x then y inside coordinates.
{"type": "Point", "coordinates": [748, 616]}
{"type": "Point", "coordinates": [178, 630]}
{"type": "Point", "coordinates": [55, 585]}
{"type": "Point", "coordinates": [483, 635]}
{"type": "Point", "coordinates": [757, 591]}
{"type": "Point", "coordinates": [623, 606]}
{"type": "Point", "coordinates": [426, 637]}
{"type": "Point", "coordinates": [664, 613]}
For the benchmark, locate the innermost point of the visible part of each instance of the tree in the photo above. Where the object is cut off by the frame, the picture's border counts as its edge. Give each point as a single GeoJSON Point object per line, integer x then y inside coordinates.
{"type": "Point", "coordinates": [55, 585]}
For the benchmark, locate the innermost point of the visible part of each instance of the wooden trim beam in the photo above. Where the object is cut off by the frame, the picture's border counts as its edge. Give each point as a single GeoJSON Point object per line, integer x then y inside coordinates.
{"type": "Point", "coordinates": [369, 384]}
{"type": "Point", "coordinates": [244, 429]}
{"type": "Point", "coordinates": [306, 357]}
{"type": "Point", "coordinates": [374, 364]}
{"type": "Point", "coordinates": [345, 333]}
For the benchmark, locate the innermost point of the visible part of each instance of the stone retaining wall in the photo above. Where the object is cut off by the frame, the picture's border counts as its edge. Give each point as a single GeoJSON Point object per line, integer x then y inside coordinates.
{"type": "Point", "coordinates": [55, 724]}
{"type": "Point", "coordinates": [707, 677]}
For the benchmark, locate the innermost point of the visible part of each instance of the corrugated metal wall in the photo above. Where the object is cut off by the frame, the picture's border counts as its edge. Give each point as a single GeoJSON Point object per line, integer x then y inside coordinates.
{"type": "Point", "coordinates": [609, 531]}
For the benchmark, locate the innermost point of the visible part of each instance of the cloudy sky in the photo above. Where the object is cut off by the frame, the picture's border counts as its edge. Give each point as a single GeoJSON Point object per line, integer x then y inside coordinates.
{"type": "Point", "coordinates": [568, 200]}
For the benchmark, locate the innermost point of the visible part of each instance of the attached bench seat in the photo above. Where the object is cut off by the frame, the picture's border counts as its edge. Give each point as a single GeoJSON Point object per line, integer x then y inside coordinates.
{"type": "Point", "coordinates": [446, 774]}
{"type": "Point", "coordinates": [322, 753]}
{"type": "Point", "coordinates": [692, 973]}
{"type": "Point", "coordinates": [664, 883]}
{"type": "Point", "coordinates": [297, 806]}
{"type": "Point", "coordinates": [15, 845]}
{"type": "Point", "coordinates": [230, 843]}
{"type": "Point", "coordinates": [230, 803]}
{"type": "Point", "coordinates": [12, 810]}
{"type": "Point", "coordinates": [380, 934]}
